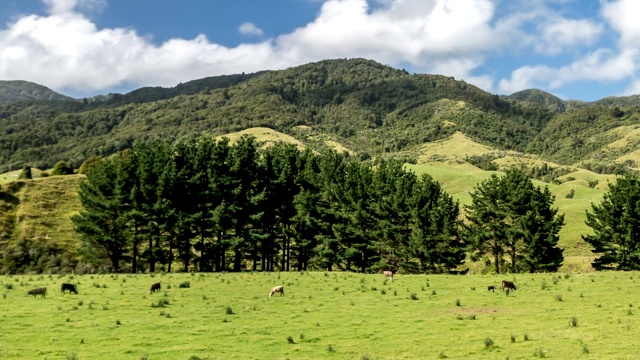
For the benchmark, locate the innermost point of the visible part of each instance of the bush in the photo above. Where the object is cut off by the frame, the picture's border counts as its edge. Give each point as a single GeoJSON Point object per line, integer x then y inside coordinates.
{"type": "Point", "coordinates": [62, 168]}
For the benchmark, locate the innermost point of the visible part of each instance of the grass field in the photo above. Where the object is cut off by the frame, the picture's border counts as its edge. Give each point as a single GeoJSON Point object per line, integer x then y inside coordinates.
{"type": "Point", "coordinates": [322, 315]}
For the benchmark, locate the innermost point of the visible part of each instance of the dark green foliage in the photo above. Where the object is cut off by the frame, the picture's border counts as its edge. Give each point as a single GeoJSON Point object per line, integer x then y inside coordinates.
{"type": "Point", "coordinates": [238, 208]}
{"type": "Point", "coordinates": [62, 168]}
{"type": "Point", "coordinates": [484, 162]}
{"type": "Point", "coordinates": [616, 225]}
{"type": "Point", "coordinates": [26, 173]}
{"type": "Point", "coordinates": [509, 216]}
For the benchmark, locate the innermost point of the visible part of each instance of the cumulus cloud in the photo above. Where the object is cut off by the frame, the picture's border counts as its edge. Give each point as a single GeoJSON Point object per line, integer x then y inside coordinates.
{"type": "Point", "coordinates": [248, 28]}
{"type": "Point", "coordinates": [65, 50]}
{"type": "Point", "coordinates": [561, 34]}
{"type": "Point", "coordinates": [622, 15]}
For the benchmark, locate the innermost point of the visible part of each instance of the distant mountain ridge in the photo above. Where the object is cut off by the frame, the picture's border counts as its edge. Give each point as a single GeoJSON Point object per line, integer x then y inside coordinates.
{"type": "Point", "coordinates": [18, 90]}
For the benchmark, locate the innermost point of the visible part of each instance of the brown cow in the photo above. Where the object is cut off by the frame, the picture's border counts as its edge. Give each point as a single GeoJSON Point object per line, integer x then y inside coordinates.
{"type": "Point", "coordinates": [277, 289]}
{"type": "Point", "coordinates": [155, 288]}
{"type": "Point", "coordinates": [38, 291]}
{"type": "Point", "coordinates": [388, 274]}
{"type": "Point", "coordinates": [508, 284]}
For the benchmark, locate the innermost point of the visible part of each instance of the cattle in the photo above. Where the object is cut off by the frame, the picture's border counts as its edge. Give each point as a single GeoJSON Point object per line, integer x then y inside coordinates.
{"type": "Point", "coordinates": [276, 290]}
{"type": "Point", "coordinates": [68, 287]}
{"type": "Point", "coordinates": [491, 288]}
{"type": "Point", "coordinates": [155, 288]}
{"type": "Point", "coordinates": [508, 285]}
{"type": "Point", "coordinates": [39, 291]}
{"type": "Point", "coordinates": [388, 274]}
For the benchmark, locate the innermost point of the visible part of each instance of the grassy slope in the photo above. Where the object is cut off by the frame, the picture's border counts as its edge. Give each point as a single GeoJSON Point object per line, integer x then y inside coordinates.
{"type": "Point", "coordinates": [459, 179]}
{"type": "Point", "coordinates": [325, 315]}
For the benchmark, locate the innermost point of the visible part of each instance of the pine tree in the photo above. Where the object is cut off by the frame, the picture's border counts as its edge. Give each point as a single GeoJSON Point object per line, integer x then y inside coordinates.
{"type": "Point", "coordinates": [616, 225]}
{"type": "Point", "coordinates": [508, 215]}
{"type": "Point", "coordinates": [103, 224]}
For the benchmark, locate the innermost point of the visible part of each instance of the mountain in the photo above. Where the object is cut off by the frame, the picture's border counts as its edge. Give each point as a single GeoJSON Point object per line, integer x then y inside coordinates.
{"type": "Point", "coordinates": [17, 90]}
{"type": "Point", "coordinates": [149, 94]}
{"type": "Point", "coordinates": [540, 97]}
{"type": "Point", "coordinates": [370, 109]}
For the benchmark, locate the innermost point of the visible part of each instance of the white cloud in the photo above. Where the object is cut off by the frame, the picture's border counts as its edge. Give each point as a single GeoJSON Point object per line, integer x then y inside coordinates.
{"type": "Point", "coordinates": [248, 28]}
{"type": "Point", "coordinates": [561, 34]}
{"type": "Point", "coordinates": [66, 51]}
{"type": "Point", "coordinates": [622, 15]}
{"type": "Point", "coordinates": [602, 65]}
{"type": "Point", "coordinates": [527, 77]}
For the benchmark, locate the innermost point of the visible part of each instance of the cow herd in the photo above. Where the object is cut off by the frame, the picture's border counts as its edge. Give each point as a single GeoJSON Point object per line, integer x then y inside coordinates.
{"type": "Point", "coordinates": [155, 287]}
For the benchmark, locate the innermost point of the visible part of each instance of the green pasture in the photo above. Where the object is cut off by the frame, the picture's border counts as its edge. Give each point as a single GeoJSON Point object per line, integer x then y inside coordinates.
{"type": "Point", "coordinates": [330, 315]}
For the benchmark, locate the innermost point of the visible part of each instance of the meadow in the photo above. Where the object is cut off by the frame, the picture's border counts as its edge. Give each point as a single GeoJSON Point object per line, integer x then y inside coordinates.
{"type": "Point", "coordinates": [328, 315]}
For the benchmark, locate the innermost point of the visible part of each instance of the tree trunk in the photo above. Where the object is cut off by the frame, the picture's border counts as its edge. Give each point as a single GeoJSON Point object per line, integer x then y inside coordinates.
{"type": "Point", "coordinates": [152, 256]}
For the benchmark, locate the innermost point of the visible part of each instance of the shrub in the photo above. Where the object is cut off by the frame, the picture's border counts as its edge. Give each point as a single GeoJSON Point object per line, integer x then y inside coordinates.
{"type": "Point", "coordinates": [457, 302]}
{"type": "Point", "coordinates": [184, 284]}
{"type": "Point", "coordinates": [413, 296]}
{"type": "Point", "coordinates": [62, 168]}
{"type": "Point", "coordinates": [513, 338]}
{"type": "Point", "coordinates": [574, 321]}
{"type": "Point", "coordinates": [229, 310]}
{"type": "Point", "coordinates": [290, 339]}
{"type": "Point", "coordinates": [570, 194]}
{"type": "Point", "coordinates": [488, 343]}
{"type": "Point", "coordinates": [541, 353]}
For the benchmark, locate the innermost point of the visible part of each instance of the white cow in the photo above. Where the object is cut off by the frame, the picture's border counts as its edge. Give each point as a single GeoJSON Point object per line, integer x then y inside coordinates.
{"type": "Point", "coordinates": [388, 274]}
{"type": "Point", "coordinates": [277, 289]}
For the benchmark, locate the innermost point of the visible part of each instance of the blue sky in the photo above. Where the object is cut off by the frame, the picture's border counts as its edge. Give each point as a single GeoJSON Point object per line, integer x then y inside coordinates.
{"type": "Point", "coordinates": [575, 49]}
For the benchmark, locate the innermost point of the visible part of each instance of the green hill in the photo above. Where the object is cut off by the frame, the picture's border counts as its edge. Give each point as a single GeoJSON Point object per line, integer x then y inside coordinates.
{"type": "Point", "coordinates": [17, 90]}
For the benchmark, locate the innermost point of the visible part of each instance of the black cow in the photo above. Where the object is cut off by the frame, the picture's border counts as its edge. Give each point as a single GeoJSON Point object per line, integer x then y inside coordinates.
{"type": "Point", "coordinates": [68, 287]}
{"type": "Point", "coordinates": [155, 288]}
{"type": "Point", "coordinates": [508, 284]}
{"type": "Point", "coordinates": [492, 288]}
{"type": "Point", "coordinates": [38, 291]}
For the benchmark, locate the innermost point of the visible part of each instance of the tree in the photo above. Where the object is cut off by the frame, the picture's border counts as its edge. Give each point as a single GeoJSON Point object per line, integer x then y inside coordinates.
{"type": "Point", "coordinates": [435, 240]}
{"type": "Point", "coordinates": [616, 226]}
{"type": "Point", "coordinates": [25, 173]}
{"type": "Point", "coordinates": [62, 168]}
{"type": "Point", "coordinates": [508, 215]}
{"type": "Point", "coordinates": [103, 224]}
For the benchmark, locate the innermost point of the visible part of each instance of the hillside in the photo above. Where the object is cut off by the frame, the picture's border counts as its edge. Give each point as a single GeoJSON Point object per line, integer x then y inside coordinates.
{"type": "Point", "coordinates": [372, 109]}
{"type": "Point", "coordinates": [17, 90]}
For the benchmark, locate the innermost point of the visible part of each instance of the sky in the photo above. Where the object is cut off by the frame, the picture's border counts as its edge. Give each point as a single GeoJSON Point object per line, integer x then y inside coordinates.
{"type": "Point", "coordinates": [574, 49]}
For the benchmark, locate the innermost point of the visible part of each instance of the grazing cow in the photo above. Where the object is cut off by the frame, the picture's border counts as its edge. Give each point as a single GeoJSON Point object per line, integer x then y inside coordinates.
{"type": "Point", "coordinates": [155, 288]}
{"type": "Point", "coordinates": [277, 289]}
{"type": "Point", "coordinates": [38, 291]}
{"type": "Point", "coordinates": [69, 287]}
{"type": "Point", "coordinates": [492, 288]}
{"type": "Point", "coordinates": [508, 284]}
{"type": "Point", "coordinates": [388, 274]}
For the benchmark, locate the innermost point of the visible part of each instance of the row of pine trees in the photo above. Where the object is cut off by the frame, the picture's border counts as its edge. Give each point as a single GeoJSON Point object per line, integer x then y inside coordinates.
{"type": "Point", "coordinates": [202, 204]}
